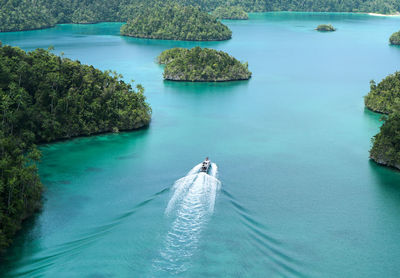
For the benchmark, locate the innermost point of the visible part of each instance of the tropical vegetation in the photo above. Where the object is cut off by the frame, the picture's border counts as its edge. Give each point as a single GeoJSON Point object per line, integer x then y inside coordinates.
{"type": "Point", "coordinates": [386, 144]}
{"type": "Point", "coordinates": [325, 28]}
{"type": "Point", "coordinates": [27, 14]}
{"type": "Point", "coordinates": [202, 64]}
{"type": "Point", "coordinates": [44, 97]}
{"type": "Point", "coordinates": [174, 22]}
{"type": "Point", "coordinates": [395, 38]}
{"type": "Point", "coordinates": [384, 97]}
{"type": "Point", "coordinates": [230, 12]}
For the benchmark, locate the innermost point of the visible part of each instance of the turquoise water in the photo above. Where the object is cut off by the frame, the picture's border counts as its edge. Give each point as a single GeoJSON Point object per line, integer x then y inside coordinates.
{"type": "Point", "coordinates": [294, 195]}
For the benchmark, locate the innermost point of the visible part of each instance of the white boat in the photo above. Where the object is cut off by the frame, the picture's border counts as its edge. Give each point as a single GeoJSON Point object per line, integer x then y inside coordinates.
{"type": "Point", "coordinates": [205, 166]}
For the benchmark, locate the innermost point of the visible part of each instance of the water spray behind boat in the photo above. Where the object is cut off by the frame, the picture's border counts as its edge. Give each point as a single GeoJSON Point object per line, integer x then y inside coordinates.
{"type": "Point", "coordinates": [190, 207]}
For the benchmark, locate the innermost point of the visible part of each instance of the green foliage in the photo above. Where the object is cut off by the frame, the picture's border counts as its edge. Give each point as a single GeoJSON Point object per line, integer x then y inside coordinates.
{"type": "Point", "coordinates": [27, 14]}
{"type": "Point", "coordinates": [376, 6]}
{"type": "Point", "coordinates": [175, 22]}
{"type": "Point", "coordinates": [325, 28]}
{"type": "Point", "coordinates": [202, 64]}
{"type": "Point", "coordinates": [386, 144]}
{"type": "Point", "coordinates": [230, 12]}
{"type": "Point", "coordinates": [395, 38]}
{"type": "Point", "coordinates": [43, 98]}
{"type": "Point", "coordinates": [384, 97]}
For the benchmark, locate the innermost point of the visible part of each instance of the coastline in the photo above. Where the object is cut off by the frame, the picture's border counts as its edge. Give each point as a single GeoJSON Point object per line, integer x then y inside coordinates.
{"type": "Point", "coordinates": [389, 15]}
{"type": "Point", "coordinates": [97, 22]}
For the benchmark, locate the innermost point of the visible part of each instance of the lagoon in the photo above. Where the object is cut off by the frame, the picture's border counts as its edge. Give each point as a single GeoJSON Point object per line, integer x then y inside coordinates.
{"type": "Point", "coordinates": [298, 195]}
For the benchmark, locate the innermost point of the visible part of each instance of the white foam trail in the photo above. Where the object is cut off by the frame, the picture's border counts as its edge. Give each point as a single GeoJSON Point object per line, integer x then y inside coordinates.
{"type": "Point", "coordinates": [191, 205]}
{"type": "Point", "coordinates": [214, 170]}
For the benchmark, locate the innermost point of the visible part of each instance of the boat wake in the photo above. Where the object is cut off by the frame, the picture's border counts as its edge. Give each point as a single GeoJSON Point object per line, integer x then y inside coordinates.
{"type": "Point", "coordinates": [190, 207]}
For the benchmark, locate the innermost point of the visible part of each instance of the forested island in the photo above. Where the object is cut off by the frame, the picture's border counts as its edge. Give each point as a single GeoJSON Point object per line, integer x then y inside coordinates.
{"type": "Point", "coordinates": [44, 98]}
{"type": "Point", "coordinates": [386, 144]}
{"type": "Point", "coordinates": [176, 23]}
{"type": "Point", "coordinates": [385, 98]}
{"type": "Point", "coordinates": [230, 12]}
{"type": "Point", "coordinates": [395, 38]}
{"type": "Point", "coordinates": [325, 28]}
{"type": "Point", "coordinates": [202, 64]}
{"type": "Point", "coordinates": [24, 15]}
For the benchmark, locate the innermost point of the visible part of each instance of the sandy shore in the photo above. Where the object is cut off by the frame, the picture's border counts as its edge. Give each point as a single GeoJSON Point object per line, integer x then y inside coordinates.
{"type": "Point", "coordinates": [375, 14]}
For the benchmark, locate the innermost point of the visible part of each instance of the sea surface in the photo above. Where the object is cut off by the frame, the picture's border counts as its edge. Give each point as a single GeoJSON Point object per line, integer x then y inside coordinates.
{"type": "Point", "coordinates": [291, 192]}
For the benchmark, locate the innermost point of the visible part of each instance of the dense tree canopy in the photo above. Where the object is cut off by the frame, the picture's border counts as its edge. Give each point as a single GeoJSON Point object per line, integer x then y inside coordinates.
{"type": "Point", "coordinates": [202, 64]}
{"type": "Point", "coordinates": [176, 23]}
{"type": "Point", "coordinates": [376, 6]}
{"type": "Point", "coordinates": [325, 28]}
{"type": "Point", "coordinates": [386, 144]}
{"type": "Point", "coordinates": [384, 97]}
{"type": "Point", "coordinates": [43, 98]}
{"type": "Point", "coordinates": [230, 12]}
{"type": "Point", "coordinates": [395, 38]}
{"type": "Point", "coordinates": [27, 14]}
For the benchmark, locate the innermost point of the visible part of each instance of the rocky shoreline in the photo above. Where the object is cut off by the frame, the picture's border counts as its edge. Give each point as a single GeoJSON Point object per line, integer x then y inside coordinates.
{"type": "Point", "coordinates": [202, 65]}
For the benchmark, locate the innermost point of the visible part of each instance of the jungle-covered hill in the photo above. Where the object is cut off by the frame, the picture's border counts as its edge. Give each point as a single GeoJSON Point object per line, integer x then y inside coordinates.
{"type": "Point", "coordinates": [230, 12]}
{"type": "Point", "coordinates": [385, 98]}
{"type": "Point", "coordinates": [395, 38]}
{"type": "Point", "coordinates": [386, 144]}
{"type": "Point", "coordinates": [44, 97]}
{"type": "Point", "coordinates": [202, 64]}
{"type": "Point", "coordinates": [176, 23]}
{"type": "Point", "coordinates": [18, 15]}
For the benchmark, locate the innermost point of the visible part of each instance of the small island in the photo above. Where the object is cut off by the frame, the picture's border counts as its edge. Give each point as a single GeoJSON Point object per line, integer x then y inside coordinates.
{"type": "Point", "coordinates": [383, 97]}
{"type": "Point", "coordinates": [202, 64]}
{"type": "Point", "coordinates": [174, 22]}
{"type": "Point", "coordinates": [395, 38]}
{"type": "Point", "coordinates": [230, 12]}
{"type": "Point", "coordinates": [325, 28]}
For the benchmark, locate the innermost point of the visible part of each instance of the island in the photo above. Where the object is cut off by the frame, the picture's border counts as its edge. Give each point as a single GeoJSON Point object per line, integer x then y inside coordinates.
{"type": "Point", "coordinates": [386, 144]}
{"type": "Point", "coordinates": [174, 22]}
{"type": "Point", "coordinates": [384, 97]}
{"type": "Point", "coordinates": [395, 38]}
{"type": "Point", "coordinates": [45, 98]}
{"type": "Point", "coordinates": [17, 15]}
{"type": "Point", "coordinates": [230, 12]}
{"type": "Point", "coordinates": [325, 28]}
{"type": "Point", "coordinates": [202, 64]}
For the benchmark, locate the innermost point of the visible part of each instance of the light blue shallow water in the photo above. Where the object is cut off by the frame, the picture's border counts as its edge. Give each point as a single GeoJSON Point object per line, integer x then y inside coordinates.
{"type": "Point", "coordinates": [298, 196]}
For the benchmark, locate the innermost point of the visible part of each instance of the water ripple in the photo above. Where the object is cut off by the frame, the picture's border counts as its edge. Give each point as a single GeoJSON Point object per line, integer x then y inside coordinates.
{"type": "Point", "coordinates": [189, 208]}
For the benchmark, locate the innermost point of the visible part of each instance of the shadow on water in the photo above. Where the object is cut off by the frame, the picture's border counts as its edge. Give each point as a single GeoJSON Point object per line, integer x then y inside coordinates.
{"type": "Point", "coordinates": [58, 157]}
{"type": "Point", "coordinates": [165, 44]}
{"type": "Point", "coordinates": [32, 266]}
{"type": "Point", "coordinates": [387, 178]}
{"type": "Point", "coordinates": [273, 250]}
{"type": "Point", "coordinates": [28, 233]}
{"type": "Point", "coordinates": [200, 85]}
{"type": "Point", "coordinates": [94, 169]}
{"type": "Point", "coordinates": [220, 89]}
{"type": "Point", "coordinates": [126, 157]}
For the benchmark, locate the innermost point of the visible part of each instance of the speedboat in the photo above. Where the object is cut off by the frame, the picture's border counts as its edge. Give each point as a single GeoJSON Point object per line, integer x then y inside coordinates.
{"type": "Point", "coordinates": [205, 166]}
